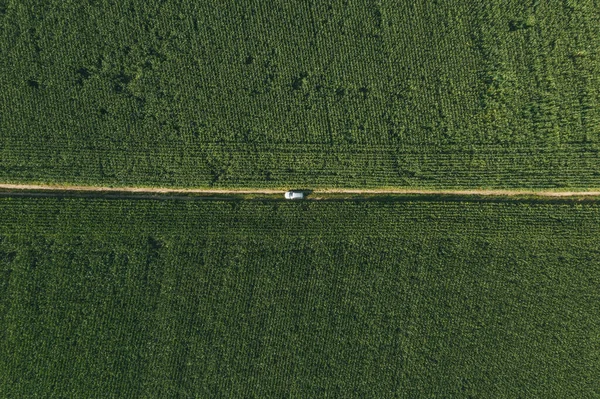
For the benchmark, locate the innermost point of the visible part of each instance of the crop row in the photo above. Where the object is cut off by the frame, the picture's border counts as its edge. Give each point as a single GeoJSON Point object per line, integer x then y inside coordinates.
{"type": "Point", "coordinates": [205, 299]}
{"type": "Point", "coordinates": [306, 166]}
{"type": "Point", "coordinates": [199, 94]}
{"type": "Point", "coordinates": [309, 218]}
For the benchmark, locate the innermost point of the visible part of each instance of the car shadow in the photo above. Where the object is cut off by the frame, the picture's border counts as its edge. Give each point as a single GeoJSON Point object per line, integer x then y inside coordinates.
{"type": "Point", "coordinates": [305, 191]}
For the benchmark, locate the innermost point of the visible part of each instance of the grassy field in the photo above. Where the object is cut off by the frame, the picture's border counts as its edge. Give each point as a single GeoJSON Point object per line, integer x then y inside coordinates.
{"type": "Point", "coordinates": [340, 93]}
{"type": "Point", "coordinates": [123, 298]}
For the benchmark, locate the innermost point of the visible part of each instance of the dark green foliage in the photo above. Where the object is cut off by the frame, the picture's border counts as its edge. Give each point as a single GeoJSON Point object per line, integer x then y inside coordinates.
{"type": "Point", "coordinates": [306, 93]}
{"type": "Point", "coordinates": [121, 298]}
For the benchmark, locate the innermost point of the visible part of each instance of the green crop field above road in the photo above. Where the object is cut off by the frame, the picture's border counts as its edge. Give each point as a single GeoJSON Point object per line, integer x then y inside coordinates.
{"type": "Point", "coordinates": [123, 298]}
{"type": "Point", "coordinates": [362, 93]}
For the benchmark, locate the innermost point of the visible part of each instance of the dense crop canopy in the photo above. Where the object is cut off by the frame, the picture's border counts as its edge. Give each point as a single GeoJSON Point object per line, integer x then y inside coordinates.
{"type": "Point", "coordinates": [450, 93]}
{"type": "Point", "coordinates": [126, 298]}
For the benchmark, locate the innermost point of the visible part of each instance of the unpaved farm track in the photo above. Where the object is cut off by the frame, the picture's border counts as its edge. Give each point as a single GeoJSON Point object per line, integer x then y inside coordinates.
{"type": "Point", "coordinates": [314, 193]}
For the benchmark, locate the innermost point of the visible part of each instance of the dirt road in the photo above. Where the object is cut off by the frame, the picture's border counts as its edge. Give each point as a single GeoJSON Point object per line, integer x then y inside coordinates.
{"type": "Point", "coordinates": [138, 190]}
{"type": "Point", "coordinates": [314, 193]}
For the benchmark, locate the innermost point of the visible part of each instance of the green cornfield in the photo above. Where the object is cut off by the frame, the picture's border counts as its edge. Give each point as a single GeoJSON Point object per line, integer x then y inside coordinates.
{"type": "Point", "coordinates": [114, 295]}
{"type": "Point", "coordinates": [201, 299]}
{"type": "Point", "coordinates": [361, 93]}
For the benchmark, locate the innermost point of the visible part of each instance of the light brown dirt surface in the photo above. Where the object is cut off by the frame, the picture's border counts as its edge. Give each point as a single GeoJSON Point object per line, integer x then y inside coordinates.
{"type": "Point", "coordinates": [258, 191]}
{"type": "Point", "coordinates": [139, 190]}
{"type": "Point", "coordinates": [470, 192]}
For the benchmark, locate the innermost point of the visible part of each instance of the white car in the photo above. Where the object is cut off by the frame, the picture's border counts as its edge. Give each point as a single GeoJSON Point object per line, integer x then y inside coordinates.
{"type": "Point", "coordinates": [291, 195]}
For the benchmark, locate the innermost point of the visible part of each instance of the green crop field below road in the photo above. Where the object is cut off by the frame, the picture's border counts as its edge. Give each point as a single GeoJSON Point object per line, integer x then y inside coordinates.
{"type": "Point", "coordinates": [255, 93]}
{"type": "Point", "coordinates": [120, 298]}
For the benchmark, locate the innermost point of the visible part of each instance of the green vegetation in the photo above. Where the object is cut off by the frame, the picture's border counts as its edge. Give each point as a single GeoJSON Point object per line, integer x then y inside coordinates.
{"type": "Point", "coordinates": [383, 297]}
{"type": "Point", "coordinates": [447, 93]}
{"type": "Point", "coordinates": [123, 298]}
